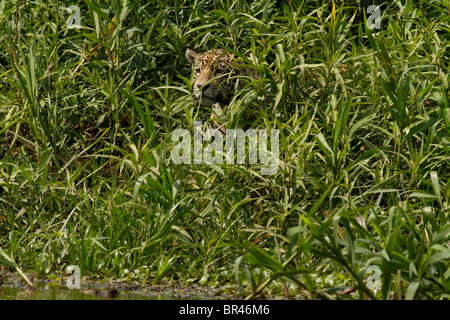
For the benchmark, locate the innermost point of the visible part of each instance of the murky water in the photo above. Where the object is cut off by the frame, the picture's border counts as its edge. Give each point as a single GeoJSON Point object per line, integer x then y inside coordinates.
{"type": "Point", "coordinates": [45, 292]}
{"type": "Point", "coordinates": [14, 289]}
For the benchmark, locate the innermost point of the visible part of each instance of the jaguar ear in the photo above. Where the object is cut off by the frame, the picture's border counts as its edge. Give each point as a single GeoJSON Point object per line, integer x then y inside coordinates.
{"type": "Point", "coordinates": [191, 56]}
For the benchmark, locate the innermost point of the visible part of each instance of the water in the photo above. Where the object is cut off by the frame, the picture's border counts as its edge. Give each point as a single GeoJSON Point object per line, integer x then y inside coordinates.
{"type": "Point", "coordinates": [15, 289]}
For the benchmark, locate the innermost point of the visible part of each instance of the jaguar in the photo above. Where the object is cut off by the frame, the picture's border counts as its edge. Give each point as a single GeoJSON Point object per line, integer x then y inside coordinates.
{"type": "Point", "coordinates": [216, 73]}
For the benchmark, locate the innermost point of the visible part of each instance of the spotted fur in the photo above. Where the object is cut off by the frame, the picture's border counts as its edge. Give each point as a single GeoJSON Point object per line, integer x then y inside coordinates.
{"type": "Point", "coordinates": [215, 76]}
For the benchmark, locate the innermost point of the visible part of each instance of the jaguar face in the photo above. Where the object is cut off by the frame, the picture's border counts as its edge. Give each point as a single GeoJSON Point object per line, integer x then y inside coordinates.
{"type": "Point", "coordinates": [214, 76]}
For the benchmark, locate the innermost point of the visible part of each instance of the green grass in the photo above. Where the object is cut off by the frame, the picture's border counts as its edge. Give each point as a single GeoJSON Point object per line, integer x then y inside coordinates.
{"type": "Point", "coordinates": [86, 117]}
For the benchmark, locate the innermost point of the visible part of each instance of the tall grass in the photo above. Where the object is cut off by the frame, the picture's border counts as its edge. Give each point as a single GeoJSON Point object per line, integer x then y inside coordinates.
{"type": "Point", "coordinates": [364, 179]}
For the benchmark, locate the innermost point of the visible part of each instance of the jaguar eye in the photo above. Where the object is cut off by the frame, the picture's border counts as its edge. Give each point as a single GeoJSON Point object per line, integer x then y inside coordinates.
{"type": "Point", "coordinates": [219, 69]}
{"type": "Point", "coordinates": [197, 70]}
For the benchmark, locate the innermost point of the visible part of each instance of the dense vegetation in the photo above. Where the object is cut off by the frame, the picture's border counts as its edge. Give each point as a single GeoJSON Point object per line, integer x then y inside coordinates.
{"type": "Point", "coordinates": [363, 186]}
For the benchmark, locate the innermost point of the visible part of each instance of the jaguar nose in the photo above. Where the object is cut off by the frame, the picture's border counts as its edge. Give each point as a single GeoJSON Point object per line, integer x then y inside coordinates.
{"type": "Point", "coordinates": [201, 86]}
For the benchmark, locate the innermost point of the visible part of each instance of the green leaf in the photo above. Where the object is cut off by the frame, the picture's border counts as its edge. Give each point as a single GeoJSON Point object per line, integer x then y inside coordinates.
{"type": "Point", "coordinates": [262, 258]}
{"type": "Point", "coordinates": [436, 187]}
{"type": "Point", "coordinates": [412, 290]}
{"type": "Point", "coordinates": [441, 256]}
{"type": "Point", "coordinates": [99, 11]}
